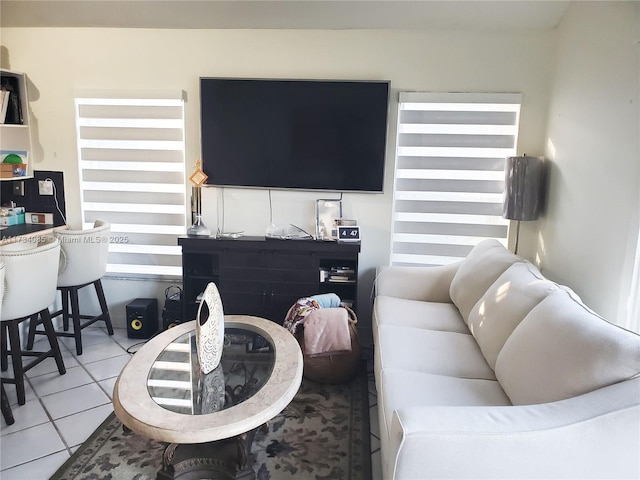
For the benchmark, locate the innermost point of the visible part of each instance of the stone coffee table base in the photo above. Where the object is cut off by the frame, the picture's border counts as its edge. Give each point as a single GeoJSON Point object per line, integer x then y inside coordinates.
{"type": "Point", "coordinates": [220, 460]}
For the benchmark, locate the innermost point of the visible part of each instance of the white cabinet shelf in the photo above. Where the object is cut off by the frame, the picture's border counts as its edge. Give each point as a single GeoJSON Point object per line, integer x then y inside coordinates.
{"type": "Point", "coordinates": [16, 137]}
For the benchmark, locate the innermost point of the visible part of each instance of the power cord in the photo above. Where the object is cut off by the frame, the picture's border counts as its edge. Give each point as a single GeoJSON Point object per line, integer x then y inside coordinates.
{"type": "Point", "coordinates": [130, 350]}
{"type": "Point", "coordinates": [55, 197]}
{"type": "Point", "coordinates": [220, 212]}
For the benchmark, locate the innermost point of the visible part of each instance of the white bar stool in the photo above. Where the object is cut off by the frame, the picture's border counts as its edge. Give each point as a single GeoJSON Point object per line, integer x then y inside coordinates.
{"type": "Point", "coordinates": [31, 273]}
{"type": "Point", "coordinates": [83, 262]}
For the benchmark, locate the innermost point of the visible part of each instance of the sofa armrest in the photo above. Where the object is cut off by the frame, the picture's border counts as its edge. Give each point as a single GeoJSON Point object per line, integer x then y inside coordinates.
{"type": "Point", "coordinates": [596, 435]}
{"type": "Point", "coordinates": [429, 284]}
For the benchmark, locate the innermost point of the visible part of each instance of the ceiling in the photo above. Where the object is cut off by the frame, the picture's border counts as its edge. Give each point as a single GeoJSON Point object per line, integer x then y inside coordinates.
{"type": "Point", "coordinates": [285, 14]}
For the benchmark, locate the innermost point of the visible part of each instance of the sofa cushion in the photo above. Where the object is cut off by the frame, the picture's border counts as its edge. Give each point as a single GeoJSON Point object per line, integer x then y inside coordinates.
{"type": "Point", "coordinates": [431, 351]}
{"type": "Point", "coordinates": [404, 388]}
{"type": "Point", "coordinates": [429, 284]}
{"type": "Point", "coordinates": [562, 349]}
{"type": "Point", "coordinates": [414, 313]}
{"type": "Point", "coordinates": [507, 301]}
{"type": "Point", "coordinates": [480, 268]}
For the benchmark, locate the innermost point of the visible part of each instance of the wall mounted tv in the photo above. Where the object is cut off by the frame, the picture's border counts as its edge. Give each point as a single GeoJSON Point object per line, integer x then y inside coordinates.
{"type": "Point", "coordinates": [294, 134]}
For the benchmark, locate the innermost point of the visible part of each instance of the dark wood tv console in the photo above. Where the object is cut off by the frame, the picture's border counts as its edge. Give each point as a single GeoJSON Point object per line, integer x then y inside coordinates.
{"type": "Point", "coordinates": [264, 277]}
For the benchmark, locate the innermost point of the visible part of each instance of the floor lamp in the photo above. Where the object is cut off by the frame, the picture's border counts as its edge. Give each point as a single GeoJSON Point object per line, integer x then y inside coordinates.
{"type": "Point", "coordinates": [523, 190]}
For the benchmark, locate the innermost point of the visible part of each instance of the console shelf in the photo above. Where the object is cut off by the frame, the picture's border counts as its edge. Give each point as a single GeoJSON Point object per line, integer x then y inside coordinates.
{"type": "Point", "coordinates": [264, 277]}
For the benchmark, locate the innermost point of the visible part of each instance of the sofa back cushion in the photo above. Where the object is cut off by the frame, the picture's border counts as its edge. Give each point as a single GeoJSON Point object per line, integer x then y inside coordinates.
{"type": "Point", "coordinates": [562, 349]}
{"type": "Point", "coordinates": [481, 267]}
{"type": "Point", "coordinates": [503, 306]}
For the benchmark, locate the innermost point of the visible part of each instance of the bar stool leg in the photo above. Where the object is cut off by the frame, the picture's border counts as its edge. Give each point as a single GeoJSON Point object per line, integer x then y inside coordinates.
{"type": "Point", "coordinates": [16, 358]}
{"type": "Point", "coordinates": [33, 324]}
{"type": "Point", "coordinates": [103, 305]}
{"type": "Point", "coordinates": [64, 292]}
{"type": "Point", "coordinates": [6, 408]}
{"type": "Point", "coordinates": [75, 316]}
{"type": "Point", "coordinates": [4, 359]}
{"type": "Point", "coordinates": [53, 340]}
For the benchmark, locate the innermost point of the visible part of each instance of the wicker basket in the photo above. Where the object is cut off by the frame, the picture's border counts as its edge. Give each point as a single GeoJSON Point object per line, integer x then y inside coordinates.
{"type": "Point", "coordinates": [336, 367]}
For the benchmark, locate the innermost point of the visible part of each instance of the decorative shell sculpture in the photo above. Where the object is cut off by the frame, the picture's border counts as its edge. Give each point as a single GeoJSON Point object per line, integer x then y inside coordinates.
{"type": "Point", "coordinates": [210, 329]}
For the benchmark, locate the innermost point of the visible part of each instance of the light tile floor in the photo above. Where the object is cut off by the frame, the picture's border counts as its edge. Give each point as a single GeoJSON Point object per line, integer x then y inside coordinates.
{"type": "Point", "coordinates": [63, 410]}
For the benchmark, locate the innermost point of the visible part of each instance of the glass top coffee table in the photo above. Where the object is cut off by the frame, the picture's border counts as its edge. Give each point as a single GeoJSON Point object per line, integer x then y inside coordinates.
{"type": "Point", "coordinates": [162, 394]}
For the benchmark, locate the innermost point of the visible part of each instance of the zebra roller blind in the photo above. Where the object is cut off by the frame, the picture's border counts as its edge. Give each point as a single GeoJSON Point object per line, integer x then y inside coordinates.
{"type": "Point", "coordinates": [449, 181]}
{"type": "Point", "coordinates": [131, 161]}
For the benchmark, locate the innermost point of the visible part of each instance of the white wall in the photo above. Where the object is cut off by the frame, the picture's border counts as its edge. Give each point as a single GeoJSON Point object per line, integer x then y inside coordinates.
{"type": "Point", "coordinates": [587, 238]}
{"type": "Point", "coordinates": [59, 61]}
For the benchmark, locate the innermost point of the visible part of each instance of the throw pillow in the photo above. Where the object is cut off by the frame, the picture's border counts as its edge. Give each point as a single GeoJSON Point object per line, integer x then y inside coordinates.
{"type": "Point", "coordinates": [563, 349]}
{"type": "Point", "coordinates": [482, 266]}
{"type": "Point", "coordinates": [507, 301]}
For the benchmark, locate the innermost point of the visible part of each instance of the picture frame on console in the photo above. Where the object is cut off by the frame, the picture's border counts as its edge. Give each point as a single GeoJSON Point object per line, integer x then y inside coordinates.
{"type": "Point", "coordinates": [328, 212]}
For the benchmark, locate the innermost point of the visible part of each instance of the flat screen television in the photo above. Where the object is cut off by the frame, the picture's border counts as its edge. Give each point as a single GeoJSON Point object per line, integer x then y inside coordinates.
{"type": "Point", "coordinates": [294, 134]}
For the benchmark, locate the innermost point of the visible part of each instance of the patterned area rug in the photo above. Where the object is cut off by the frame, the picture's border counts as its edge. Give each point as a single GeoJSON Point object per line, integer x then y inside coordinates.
{"type": "Point", "coordinates": [322, 435]}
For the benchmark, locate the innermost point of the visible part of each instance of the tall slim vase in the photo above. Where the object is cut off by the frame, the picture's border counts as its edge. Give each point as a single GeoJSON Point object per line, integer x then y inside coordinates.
{"type": "Point", "coordinates": [198, 227]}
{"type": "Point", "coordinates": [210, 329]}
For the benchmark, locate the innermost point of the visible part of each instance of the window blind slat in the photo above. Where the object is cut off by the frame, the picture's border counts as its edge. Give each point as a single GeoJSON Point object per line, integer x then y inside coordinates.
{"type": "Point", "coordinates": [135, 207]}
{"type": "Point", "coordinates": [131, 164]}
{"type": "Point", "coordinates": [449, 177]}
{"type": "Point", "coordinates": [132, 187]}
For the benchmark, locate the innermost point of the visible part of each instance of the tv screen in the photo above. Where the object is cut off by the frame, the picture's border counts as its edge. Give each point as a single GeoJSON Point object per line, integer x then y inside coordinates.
{"type": "Point", "coordinates": [298, 134]}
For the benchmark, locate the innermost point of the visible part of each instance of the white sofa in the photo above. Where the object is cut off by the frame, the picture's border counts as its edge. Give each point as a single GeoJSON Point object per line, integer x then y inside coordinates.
{"type": "Point", "coordinates": [485, 369]}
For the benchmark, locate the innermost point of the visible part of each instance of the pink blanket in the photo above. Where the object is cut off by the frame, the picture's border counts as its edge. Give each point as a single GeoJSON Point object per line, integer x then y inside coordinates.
{"type": "Point", "coordinates": [326, 330]}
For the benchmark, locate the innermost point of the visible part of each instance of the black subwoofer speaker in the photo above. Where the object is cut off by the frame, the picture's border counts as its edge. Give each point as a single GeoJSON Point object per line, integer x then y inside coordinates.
{"type": "Point", "coordinates": [172, 310]}
{"type": "Point", "coordinates": [142, 318]}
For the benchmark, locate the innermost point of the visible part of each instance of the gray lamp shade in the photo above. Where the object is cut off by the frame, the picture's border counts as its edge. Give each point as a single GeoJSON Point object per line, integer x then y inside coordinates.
{"type": "Point", "coordinates": [523, 187]}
